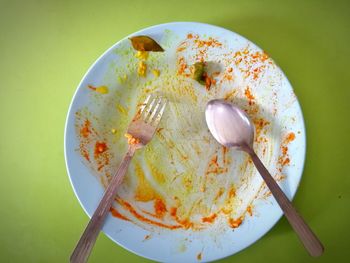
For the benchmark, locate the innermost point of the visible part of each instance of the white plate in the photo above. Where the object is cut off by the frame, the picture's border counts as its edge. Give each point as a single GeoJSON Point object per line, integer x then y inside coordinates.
{"type": "Point", "coordinates": [185, 167]}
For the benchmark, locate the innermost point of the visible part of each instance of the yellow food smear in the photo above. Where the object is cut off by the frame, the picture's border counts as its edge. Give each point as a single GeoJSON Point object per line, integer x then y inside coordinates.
{"type": "Point", "coordinates": [158, 176]}
{"type": "Point", "coordinates": [144, 191]}
{"type": "Point", "coordinates": [156, 72]}
{"type": "Point", "coordinates": [114, 131]}
{"type": "Point", "coordinates": [142, 69]}
{"type": "Point", "coordinates": [102, 89]}
{"type": "Point", "coordinates": [142, 55]}
{"type": "Point", "coordinates": [121, 109]}
{"type": "Point", "coordinates": [122, 79]}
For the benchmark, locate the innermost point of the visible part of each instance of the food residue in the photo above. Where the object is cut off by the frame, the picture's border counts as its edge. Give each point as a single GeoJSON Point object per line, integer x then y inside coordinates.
{"type": "Point", "coordinates": [145, 43]}
{"type": "Point", "coordinates": [99, 89]}
{"type": "Point", "coordinates": [142, 69]}
{"type": "Point", "coordinates": [147, 237]}
{"type": "Point", "coordinates": [248, 94]}
{"type": "Point", "coordinates": [156, 72]}
{"type": "Point", "coordinates": [142, 55]}
{"type": "Point", "coordinates": [131, 139]}
{"type": "Point", "coordinates": [234, 223]}
{"type": "Point", "coordinates": [199, 256]}
{"type": "Point", "coordinates": [116, 213]}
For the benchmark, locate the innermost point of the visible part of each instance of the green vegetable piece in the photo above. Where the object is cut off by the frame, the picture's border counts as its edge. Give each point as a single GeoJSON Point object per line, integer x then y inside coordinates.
{"type": "Point", "coordinates": [198, 72]}
{"type": "Point", "coordinates": [145, 43]}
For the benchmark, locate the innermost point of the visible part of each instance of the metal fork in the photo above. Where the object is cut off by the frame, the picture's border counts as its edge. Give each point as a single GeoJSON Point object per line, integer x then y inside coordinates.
{"type": "Point", "coordinates": [139, 133]}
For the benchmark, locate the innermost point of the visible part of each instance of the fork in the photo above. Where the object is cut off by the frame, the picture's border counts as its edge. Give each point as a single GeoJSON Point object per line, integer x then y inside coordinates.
{"type": "Point", "coordinates": [139, 133]}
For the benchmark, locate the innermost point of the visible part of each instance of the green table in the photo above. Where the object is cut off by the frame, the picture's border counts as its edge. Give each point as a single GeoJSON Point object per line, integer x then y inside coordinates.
{"type": "Point", "coordinates": [47, 46]}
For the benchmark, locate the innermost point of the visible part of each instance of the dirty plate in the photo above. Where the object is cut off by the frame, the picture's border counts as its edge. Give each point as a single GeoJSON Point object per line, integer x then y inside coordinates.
{"type": "Point", "coordinates": [185, 198]}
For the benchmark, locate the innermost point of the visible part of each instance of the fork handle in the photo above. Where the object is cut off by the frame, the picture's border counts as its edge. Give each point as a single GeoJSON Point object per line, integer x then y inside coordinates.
{"type": "Point", "coordinates": [312, 244]}
{"type": "Point", "coordinates": [88, 238]}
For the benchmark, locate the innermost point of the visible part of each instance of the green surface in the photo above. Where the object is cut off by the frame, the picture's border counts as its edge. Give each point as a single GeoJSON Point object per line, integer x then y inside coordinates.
{"type": "Point", "coordinates": [47, 46]}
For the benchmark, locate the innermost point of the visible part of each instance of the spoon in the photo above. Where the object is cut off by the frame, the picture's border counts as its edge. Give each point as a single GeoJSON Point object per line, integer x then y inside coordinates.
{"type": "Point", "coordinates": [231, 127]}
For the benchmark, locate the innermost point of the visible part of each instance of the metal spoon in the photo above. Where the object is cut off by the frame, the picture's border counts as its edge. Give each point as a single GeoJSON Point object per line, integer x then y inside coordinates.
{"type": "Point", "coordinates": [231, 127]}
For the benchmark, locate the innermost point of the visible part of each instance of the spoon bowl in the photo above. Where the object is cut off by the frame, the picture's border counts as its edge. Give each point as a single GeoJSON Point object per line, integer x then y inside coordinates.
{"type": "Point", "coordinates": [229, 125]}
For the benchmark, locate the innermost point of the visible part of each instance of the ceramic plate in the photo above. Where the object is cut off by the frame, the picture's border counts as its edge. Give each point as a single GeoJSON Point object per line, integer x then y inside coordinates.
{"type": "Point", "coordinates": [185, 198]}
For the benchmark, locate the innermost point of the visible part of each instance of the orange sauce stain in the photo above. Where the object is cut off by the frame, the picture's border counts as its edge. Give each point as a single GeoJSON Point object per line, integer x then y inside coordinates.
{"type": "Point", "coordinates": [219, 194]}
{"type": "Point", "coordinates": [249, 96]}
{"type": "Point", "coordinates": [211, 42]}
{"type": "Point", "coordinates": [284, 159]}
{"type": "Point", "coordinates": [142, 218]}
{"type": "Point", "coordinates": [209, 219]}
{"type": "Point", "coordinates": [116, 213]}
{"type": "Point", "coordinates": [85, 131]}
{"type": "Point", "coordinates": [101, 155]}
{"type": "Point", "coordinates": [232, 192]}
{"type": "Point", "coordinates": [290, 137]}
{"type": "Point", "coordinates": [284, 150]}
{"type": "Point", "coordinates": [182, 66]}
{"type": "Point", "coordinates": [234, 223]}
{"type": "Point", "coordinates": [100, 147]}
{"type": "Point", "coordinates": [84, 152]}
{"type": "Point", "coordinates": [185, 223]}
{"type": "Point", "coordinates": [249, 210]}
{"type": "Point", "coordinates": [144, 192]}
{"type": "Point", "coordinates": [160, 208]}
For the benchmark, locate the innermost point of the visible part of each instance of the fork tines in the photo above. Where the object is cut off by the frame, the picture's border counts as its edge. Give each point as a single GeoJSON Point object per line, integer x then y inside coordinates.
{"type": "Point", "coordinates": [151, 110]}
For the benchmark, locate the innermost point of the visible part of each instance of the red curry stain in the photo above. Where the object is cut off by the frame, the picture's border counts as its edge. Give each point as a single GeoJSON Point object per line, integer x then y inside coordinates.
{"type": "Point", "coordinates": [101, 155]}
{"type": "Point", "coordinates": [140, 217]}
{"type": "Point", "coordinates": [249, 96]}
{"type": "Point", "coordinates": [100, 147]}
{"type": "Point", "coordinates": [234, 223]}
{"type": "Point", "coordinates": [160, 208]}
{"type": "Point", "coordinates": [284, 159]}
{"type": "Point", "coordinates": [185, 223]}
{"type": "Point", "coordinates": [249, 210]}
{"type": "Point", "coordinates": [85, 131]}
{"type": "Point", "coordinates": [209, 219]}
{"type": "Point", "coordinates": [116, 213]}
{"type": "Point", "coordinates": [251, 64]}
{"type": "Point", "coordinates": [290, 137]}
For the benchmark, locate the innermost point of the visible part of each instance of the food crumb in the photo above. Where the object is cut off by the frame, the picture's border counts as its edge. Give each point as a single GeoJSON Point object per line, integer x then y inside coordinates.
{"type": "Point", "coordinates": [249, 210]}
{"type": "Point", "coordinates": [100, 147]}
{"type": "Point", "coordinates": [122, 79]}
{"type": "Point", "coordinates": [147, 237]}
{"type": "Point", "coordinates": [142, 69]}
{"type": "Point", "coordinates": [249, 95]}
{"type": "Point", "coordinates": [132, 140]}
{"type": "Point", "coordinates": [234, 223]}
{"type": "Point", "coordinates": [100, 89]}
{"type": "Point", "coordinates": [199, 256]}
{"type": "Point", "coordinates": [114, 131]}
{"type": "Point", "coordinates": [142, 55]}
{"type": "Point", "coordinates": [209, 219]}
{"type": "Point", "coordinates": [156, 72]}
{"type": "Point", "coordinates": [121, 109]}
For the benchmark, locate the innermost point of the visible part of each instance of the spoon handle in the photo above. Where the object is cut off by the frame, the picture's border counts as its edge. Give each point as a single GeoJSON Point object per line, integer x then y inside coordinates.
{"type": "Point", "coordinates": [307, 237]}
{"type": "Point", "coordinates": [88, 238]}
